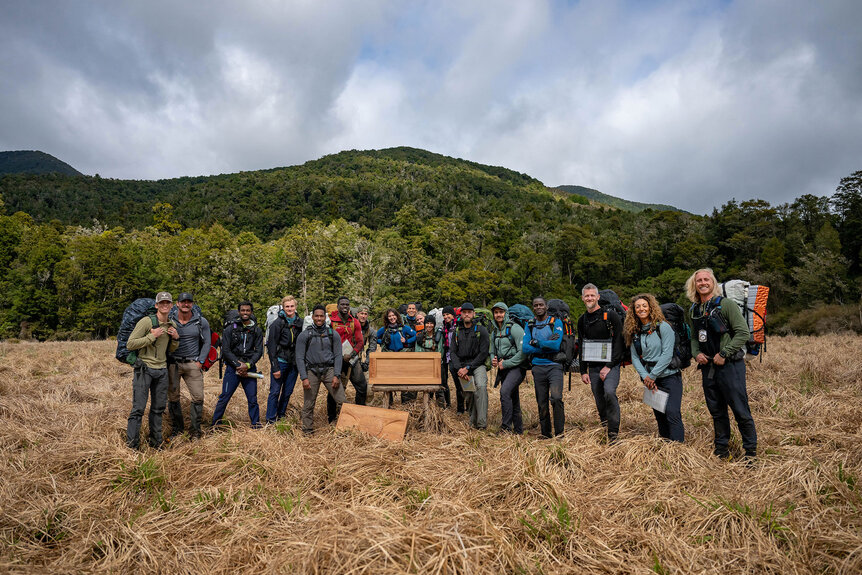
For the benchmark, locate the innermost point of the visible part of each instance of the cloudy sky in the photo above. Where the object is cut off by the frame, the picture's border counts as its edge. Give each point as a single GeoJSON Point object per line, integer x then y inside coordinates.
{"type": "Point", "coordinates": [689, 103]}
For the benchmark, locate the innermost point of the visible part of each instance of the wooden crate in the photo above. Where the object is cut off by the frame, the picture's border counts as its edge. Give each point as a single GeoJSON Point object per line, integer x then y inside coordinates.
{"type": "Point", "coordinates": [407, 369]}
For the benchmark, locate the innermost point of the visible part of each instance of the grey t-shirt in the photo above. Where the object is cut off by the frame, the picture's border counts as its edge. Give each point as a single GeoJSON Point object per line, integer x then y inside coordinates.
{"type": "Point", "coordinates": [190, 339]}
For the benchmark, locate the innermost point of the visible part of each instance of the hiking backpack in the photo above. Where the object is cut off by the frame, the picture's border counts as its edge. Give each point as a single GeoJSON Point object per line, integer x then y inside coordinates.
{"type": "Point", "coordinates": [271, 316]}
{"type": "Point", "coordinates": [520, 314]}
{"type": "Point", "coordinates": [568, 354]}
{"type": "Point", "coordinates": [675, 317]}
{"type": "Point", "coordinates": [751, 299]}
{"type": "Point", "coordinates": [609, 300]}
{"type": "Point", "coordinates": [138, 309]}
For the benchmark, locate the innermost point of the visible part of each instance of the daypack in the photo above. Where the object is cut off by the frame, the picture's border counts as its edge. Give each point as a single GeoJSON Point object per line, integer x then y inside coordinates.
{"type": "Point", "coordinates": [568, 354]}
{"type": "Point", "coordinates": [675, 316]}
{"type": "Point", "coordinates": [609, 300]}
{"type": "Point", "coordinates": [138, 309]}
{"type": "Point", "coordinates": [751, 299]}
{"type": "Point", "coordinates": [520, 314]}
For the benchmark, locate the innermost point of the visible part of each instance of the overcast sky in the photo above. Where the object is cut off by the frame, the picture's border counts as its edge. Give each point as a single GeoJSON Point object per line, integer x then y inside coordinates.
{"type": "Point", "coordinates": [685, 103]}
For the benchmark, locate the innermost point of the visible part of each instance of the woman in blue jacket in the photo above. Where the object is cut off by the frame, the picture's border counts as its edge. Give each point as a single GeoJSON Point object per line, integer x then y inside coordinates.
{"type": "Point", "coordinates": [394, 335]}
{"type": "Point", "coordinates": [651, 339]}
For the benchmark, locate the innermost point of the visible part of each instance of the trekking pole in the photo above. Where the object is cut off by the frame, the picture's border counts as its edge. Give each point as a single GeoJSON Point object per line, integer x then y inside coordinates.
{"type": "Point", "coordinates": [570, 380]}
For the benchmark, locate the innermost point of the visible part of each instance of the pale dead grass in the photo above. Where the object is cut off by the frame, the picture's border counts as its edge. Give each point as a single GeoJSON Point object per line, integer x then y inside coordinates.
{"type": "Point", "coordinates": [73, 498]}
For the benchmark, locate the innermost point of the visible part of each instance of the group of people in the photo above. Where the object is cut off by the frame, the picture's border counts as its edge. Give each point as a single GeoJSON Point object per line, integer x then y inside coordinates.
{"type": "Point", "coordinates": [334, 351]}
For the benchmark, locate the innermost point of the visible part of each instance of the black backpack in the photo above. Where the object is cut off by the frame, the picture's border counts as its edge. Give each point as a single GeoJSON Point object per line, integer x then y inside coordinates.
{"type": "Point", "coordinates": [138, 309]}
{"type": "Point", "coordinates": [610, 301]}
{"type": "Point", "coordinates": [675, 317]}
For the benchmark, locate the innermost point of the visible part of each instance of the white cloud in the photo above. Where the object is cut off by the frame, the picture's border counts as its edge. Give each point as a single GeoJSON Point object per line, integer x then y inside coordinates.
{"type": "Point", "coordinates": [684, 103]}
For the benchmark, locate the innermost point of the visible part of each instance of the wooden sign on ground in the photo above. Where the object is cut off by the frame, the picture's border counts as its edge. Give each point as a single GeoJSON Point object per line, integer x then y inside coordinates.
{"type": "Point", "coordinates": [384, 423]}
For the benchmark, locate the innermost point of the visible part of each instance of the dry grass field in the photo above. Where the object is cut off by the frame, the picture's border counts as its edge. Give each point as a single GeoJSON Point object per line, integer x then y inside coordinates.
{"type": "Point", "coordinates": [74, 499]}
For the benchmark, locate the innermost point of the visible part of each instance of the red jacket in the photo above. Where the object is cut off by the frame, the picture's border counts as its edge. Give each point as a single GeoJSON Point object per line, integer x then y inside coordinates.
{"type": "Point", "coordinates": [351, 330]}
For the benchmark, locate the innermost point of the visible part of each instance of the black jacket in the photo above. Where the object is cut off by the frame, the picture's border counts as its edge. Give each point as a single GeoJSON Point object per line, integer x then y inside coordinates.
{"type": "Point", "coordinates": [283, 334]}
{"type": "Point", "coordinates": [595, 325]}
{"type": "Point", "coordinates": [470, 347]}
{"type": "Point", "coordinates": [242, 344]}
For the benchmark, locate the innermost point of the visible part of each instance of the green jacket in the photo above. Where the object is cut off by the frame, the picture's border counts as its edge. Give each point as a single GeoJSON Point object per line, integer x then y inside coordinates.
{"type": "Point", "coordinates": [426, 344]}
{"type": "Point", "coordinates": [733, 339]}
{"type": "Point", "coordinates": [152, 351]}
{"type": "Point", "coordinates": [501, 344]}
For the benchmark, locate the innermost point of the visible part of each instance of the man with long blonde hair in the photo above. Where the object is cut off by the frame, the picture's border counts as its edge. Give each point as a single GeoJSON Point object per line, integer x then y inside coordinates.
{"type": "Point", "coordinates": [718, 336]}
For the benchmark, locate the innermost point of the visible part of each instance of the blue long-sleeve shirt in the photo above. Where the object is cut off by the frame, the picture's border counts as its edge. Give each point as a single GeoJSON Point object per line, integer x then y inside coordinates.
{"type": "Point", "coordinates": [548, 335]}
{"type": "Point", "coordinates": [394, 343]}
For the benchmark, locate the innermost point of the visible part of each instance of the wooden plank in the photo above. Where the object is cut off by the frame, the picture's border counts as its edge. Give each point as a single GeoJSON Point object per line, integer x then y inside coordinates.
{"type": "Point", "coordinates": [390, 368]}
{"type": "Point", "coordinates": [383, 423]}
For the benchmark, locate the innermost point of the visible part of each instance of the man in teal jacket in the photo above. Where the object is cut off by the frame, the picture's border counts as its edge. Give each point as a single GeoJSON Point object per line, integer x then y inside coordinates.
{"type": "Point", "coordinates": [506, 356]}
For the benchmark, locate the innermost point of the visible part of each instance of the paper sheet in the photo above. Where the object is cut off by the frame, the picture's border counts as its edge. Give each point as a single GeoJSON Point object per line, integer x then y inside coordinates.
{"type": "Point", "coordinates": [656, 399]}
{"type": "Point", "coordinates": [597, 350]}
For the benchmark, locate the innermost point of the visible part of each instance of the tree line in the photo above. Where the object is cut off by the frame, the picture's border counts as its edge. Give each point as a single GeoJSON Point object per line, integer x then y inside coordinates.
{"type": "Point", "coordinates": [62, 280]}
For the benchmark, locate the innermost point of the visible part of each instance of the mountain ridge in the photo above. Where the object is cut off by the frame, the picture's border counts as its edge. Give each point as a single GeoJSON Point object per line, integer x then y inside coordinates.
{"type": "Point", "coordinates": [34, 162]}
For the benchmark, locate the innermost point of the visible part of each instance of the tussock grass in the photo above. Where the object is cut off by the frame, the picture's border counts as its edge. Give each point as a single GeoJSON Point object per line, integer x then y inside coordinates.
{"type": "Point", "coordinates": [74, 498]}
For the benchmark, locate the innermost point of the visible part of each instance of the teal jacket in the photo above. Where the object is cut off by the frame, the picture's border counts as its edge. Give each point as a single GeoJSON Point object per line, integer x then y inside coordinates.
{"type": "Point", "coordinates": [656, 350]}
{"type": "Point", "coordinates": [507, 346]}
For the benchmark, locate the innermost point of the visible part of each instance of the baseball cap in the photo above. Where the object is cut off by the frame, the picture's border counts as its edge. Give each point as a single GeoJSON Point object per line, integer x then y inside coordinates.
{"type": "Point", "coordinates": [185, 296]}
{"type": "Point", "coordinates": [163, 296]}
{"type": "Point", "coordinates": [467, 305]}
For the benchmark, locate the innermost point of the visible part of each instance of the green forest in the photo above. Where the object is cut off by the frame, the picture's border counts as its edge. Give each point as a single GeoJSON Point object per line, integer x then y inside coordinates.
{"type": "Point", "coordinates": [389, 226]}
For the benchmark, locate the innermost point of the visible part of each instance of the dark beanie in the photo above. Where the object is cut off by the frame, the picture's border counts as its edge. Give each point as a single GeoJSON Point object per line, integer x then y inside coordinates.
{"type": "Point", "coordinates": [449, 309]}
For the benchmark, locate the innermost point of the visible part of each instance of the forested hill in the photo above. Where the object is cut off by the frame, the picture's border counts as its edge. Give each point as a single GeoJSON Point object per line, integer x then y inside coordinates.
{"type": "Point", "coordinates": [366, 187]}
{"type": "Point", "coordinates": [612, 201]}
{"type": "Point", "coordinates": [33, 162]}
{"type": "Point", "coordinates": [389, 226]}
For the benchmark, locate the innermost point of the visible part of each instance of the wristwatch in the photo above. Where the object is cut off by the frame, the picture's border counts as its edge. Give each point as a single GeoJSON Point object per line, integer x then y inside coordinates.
{"type": "Point", "coordinates": [722, 354]}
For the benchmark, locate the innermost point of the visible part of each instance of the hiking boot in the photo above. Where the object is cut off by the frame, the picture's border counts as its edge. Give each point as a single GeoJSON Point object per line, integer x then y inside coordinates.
{"type": "Point", "coordinates": [722, 453]}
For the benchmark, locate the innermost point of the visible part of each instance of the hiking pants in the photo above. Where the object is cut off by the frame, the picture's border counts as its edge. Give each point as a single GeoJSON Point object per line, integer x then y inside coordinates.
{"type": "Point", "coordinates": [280, 389]}
{"type": "Point", "coordinates": [477, 401]}
{"type": "Point", "coordinates": [357, 378]}
{"type": "Point", "coordinates": [229, 384]}
{"type": "Point", "coordinates": [189, 372]}
{"type": "Point", "coordinates": [152, 383]}
{"type": "Point", "coordinates": [548, 382]}
{"type": "Point", "coordinates": [310, 395]}
{"type": "Point", "coordinates": [444, 397]}
{"type": "Point", "coordinates": [723, 387]}
{"type": "Point", "coordinates": [670, 422]}
{"type": "Point", "coordinates": [605, 394]}
{"type": "Point", "coordinates": [445, 370]}
{"type": "Point", "coordinates": [510, 399]}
